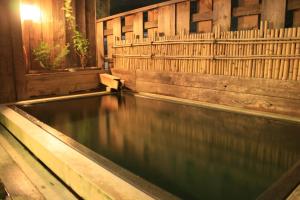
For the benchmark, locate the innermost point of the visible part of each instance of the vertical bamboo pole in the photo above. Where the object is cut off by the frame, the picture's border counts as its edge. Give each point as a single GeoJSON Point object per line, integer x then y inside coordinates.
{"type": "Point", "coordinates": [287, 52]}
{"type": "Point", "coordinates": [293, 51]}
{"type": "Point", "coordinates": [297, 61]}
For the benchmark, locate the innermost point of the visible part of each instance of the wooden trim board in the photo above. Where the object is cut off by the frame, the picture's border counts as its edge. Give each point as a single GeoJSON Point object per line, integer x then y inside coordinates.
{"type": "Point", "coordinates": [88, 179]}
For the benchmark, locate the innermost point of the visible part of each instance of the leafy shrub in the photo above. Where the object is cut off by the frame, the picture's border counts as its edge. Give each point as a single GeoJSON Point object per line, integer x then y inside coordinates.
{"type": "Point", "coordinates": [43, 54]}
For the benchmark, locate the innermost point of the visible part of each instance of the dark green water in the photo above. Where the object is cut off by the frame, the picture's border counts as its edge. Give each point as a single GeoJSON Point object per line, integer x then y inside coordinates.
{"type": "Point", "coordinates": [194, 153]}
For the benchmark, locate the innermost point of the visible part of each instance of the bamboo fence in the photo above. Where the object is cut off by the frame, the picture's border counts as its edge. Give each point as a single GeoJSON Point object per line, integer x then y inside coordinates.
{"type": "Point", "coordinates": [262, 53]}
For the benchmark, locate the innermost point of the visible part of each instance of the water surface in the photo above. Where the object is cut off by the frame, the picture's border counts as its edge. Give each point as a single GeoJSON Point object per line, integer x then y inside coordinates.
{"type": "Point", "coordinates": [192, 152]}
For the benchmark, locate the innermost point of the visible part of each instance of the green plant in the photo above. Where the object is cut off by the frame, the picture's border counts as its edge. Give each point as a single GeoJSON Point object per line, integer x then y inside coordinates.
{"type": "Point", "coordinates": [44, 54]}
{"type": "Point", "coordinates": [62, 53]}
{"type": "Point", "coordinates": [81, 46]}
{"type": "Point", "coordinates": [80, 43]}
{"type": "Point", "coordinates": [69, 14]}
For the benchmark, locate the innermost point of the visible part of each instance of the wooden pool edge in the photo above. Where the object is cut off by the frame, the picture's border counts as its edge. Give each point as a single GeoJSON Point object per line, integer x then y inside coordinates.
{"type": "Point", "coordinates": [88, 179]}
{"type": "Point", "coordinates": [220, 107]}
{"type": "Point", "coordinates": [13, 126]}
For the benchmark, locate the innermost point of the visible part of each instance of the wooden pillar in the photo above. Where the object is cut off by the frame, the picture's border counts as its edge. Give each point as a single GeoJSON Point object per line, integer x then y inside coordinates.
{"type": "Point", "coordinates": [7, 76]}
{"type": "Point", "coordinates": [80, 16]}
{"type": "Point", "coordinates": [274, 12]}
{"type": "Point", "coordinates": [183, 17]}
{"type": "Point", "coordinates": [103, 8]}
{"type": "Point", "coordinates": [90, 15]}
{"type": "Point", "coordinates": [222, 14]}
{"type": "Point", "coordinates": [100, 44]}
{"type": "Point", "coordinates": [17, 50]}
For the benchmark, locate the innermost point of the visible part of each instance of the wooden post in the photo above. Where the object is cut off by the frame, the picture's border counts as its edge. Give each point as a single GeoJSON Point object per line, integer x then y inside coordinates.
{"type": "Point", "coordinates": [222, 14]}
{"type": "Point", "coordinates": [274, 12]}
{"type": "Point", "coordinates": [90, 15]}
{"type": "Point", "coordinates": [80, 16]}
{"type": "Point", "coordinates": [7, 76]}
{"type": "Point", "coordinates": [100, 44]}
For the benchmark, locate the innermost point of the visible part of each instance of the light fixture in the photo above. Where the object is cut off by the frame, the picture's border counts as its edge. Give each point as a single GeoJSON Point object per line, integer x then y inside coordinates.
{"type": "Point", "coordinates": [30, 12]}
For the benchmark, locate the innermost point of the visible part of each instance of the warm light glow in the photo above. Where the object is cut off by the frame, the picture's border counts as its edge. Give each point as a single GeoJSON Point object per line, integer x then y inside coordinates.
{"type": "Point", "coordinates": [30, 12]}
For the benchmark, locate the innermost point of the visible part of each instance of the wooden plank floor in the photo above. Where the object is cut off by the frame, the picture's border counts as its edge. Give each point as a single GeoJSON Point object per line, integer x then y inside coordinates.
{"type": "Point", "coordinates": [23, 176]}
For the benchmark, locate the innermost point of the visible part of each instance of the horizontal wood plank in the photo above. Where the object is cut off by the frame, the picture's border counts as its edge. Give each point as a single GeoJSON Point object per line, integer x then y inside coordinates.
{"type": "Point", "coordinates": [151, 24]}
{"type": "Point", "coordinates": [247, 10]}
{"type": "Point", "coordinates": [108, 32]}
{"type": "Point", "coordinates": [199, 17]}
{"type": "Point", "coordinates": [128, 28]}
{"type": "Point", "coordinates": [293, 4]}
{"type": "Point", "coordinates": [248, 101]}
{"type": "Point", "coordinates": [61, 83]}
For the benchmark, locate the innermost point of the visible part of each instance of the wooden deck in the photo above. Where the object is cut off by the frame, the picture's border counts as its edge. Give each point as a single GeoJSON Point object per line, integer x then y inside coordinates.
{"type": "Point", "coordinates": [23, 176]}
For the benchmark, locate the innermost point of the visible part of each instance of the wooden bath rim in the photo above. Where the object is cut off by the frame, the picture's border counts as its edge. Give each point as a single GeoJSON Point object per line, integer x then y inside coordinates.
{"type": "Point", "coordinates": [278, 190]}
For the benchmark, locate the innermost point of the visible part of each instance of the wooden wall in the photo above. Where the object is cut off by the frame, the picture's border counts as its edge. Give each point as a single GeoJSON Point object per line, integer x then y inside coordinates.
{"type": "Point", "coordinates": [53, 29]}
{"type": "Point", "coordinates": [255, 66]}
{"type": "Point", "coordinates": [16, 81]}
{"type": "Point", "coordinates": [176, 16]}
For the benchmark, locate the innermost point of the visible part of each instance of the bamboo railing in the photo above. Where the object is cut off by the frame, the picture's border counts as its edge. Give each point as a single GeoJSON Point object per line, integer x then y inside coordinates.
{"type": "Point", "coordinates": [262, 53]}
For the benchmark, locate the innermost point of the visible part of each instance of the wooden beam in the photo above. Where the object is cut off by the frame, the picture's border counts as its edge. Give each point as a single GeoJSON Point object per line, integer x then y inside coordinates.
{"type": "Point", "coordinates": [149, 25]}
{"type": "Point", "coordinates": [246, 10]}
{"type": "Point", "coordinates": [100, 44]}
{"type": "Point", "coordinates": [107, 31]}
{"type": "Point", "coordinates": [128, 28]}
{"type": "Point", "coordinates": [183, 17]}
{"type": "Point", "coordinates": [293, 4]}
{"type": "Point", "coordinates": [199, 17]}
{"type": "Point", "coordinates": [274, 13]}
{"type": "Point", "coordinates": [222, 14]}
{"type": "Point", "coordinates": [110, 81]}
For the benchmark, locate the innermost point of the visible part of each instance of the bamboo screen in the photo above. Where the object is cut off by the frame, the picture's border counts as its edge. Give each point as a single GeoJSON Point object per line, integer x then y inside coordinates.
{"type": "Point", "coordinates": [263, 53]}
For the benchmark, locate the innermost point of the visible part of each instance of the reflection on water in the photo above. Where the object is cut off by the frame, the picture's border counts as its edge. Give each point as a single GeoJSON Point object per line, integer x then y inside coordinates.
{"type": "Point", "coordinates": [194, 153]}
